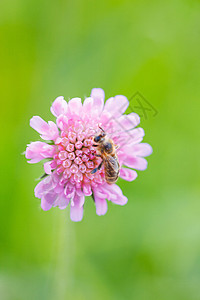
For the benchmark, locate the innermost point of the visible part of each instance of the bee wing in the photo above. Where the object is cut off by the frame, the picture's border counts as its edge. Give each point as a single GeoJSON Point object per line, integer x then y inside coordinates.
{"type": "Point", "coordinates": [111, 166]}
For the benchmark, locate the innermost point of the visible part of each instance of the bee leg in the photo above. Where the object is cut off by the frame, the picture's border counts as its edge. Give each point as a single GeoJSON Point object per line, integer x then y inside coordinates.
{"type": "Point", "coordinates": [94, 171]}
{"type": "Point", "coordinates": [97, 155]}
{"type": "Point", "coordinates": [95, 145]}
{"type": "Point", "coordinates": [100, 165]}
{"type": "Point", "coordinates": [97, 168]}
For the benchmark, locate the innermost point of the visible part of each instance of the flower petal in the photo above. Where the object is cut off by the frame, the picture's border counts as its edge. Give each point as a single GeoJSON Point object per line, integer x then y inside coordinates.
{"type": "Point", "coordinates": [48, 200]}
{"type": "Point", "coordinates": [36, 151]}
{"type": "Point", "coordinates": [128, 174]}
{"type": "Point", "coordinates": [100, 192]}
{"type": "Point", "coordinates": [121, 128]}
{"type": "Point", "coordinates": [98, 96]}
{"type": "Point", "coordinates": [76, 210]}
{"type": "Point", "coordinates": [74, 106]}
{"type": "Point", "coordinates": [47, 167]}
{"type": "Point", "coordinates": [69, 190]}
{"type": "Point", "coordinates": [142, 149]}
{"type": "Point", "coordinates": [62, 122]}
{"type": "Point", "coordinates": [88, 105]}
{"type": "Point", "coordinates": [52, 133]}
{"type": "Point", "coordinates": [117, 105]}
{"type": "Point", "coordinates": [48, 131]}
{"type": "Point", "coordinates": [62, 201]}
{"type": "Point", "coordinates": [39, 124]}
{"type": "Point", "coordinates": [114, 194]}
{"type": "Point", "coordinates": [59, 106]}
{"type": "Point", "coordinates": [45, 185]}
{"type": "Point", "coordinates": [130, 137]}
{"type": "Point", "coordinates": [127, 122]}
{"type": "Point", "coordinates": [137, 163]}
{"type": "Point", "coordinates": [101, 205]}
{"type": "Point", "coordinates": [87, 189]}
{"type": "Point", "coordinates": [120, 200]}
{"type": "Point", "coordinates": [45, 205]}
{"type": "Point", "coordinates": [39, 190]}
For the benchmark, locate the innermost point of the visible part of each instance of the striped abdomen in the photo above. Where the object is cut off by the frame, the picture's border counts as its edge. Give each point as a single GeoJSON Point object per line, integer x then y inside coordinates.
{"type": "Point", "coordinates": [111, 166]}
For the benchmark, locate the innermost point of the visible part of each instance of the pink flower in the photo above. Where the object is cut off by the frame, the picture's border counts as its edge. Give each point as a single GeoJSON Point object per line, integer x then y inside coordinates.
{"type": "Point", "coordinates": [71, 154]}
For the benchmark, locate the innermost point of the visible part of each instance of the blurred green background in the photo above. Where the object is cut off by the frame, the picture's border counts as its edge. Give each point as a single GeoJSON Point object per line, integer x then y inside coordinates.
{"type": "Point", "coordinates": [150, 248]}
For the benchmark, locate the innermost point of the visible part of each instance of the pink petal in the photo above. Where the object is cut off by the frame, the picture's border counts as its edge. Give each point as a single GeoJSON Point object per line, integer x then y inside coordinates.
{"type": "Point", "coordinates": [37, 151]}
{"type": "Point", "coordinates": [98, 96]}
{"type": "Point", "coordinates": [121, 128]}
{"type": "Point", "coordinates": [137, 163]}
{"type": "Point", "coordinates": [79, 192]}
{"type": "Point", "coordinates": [74, 106]}
{"type": "Point", "coordinates": [45, 205]}
{"type": "Point", "coordinates": [76, 213]}
{"type": "Point", "coordinates": [76, 210]}
{"type": "Point", "coordinates": [62, 201]}
{"type": "Point", "coordinates": [47, 167]}
{"type": "Point", "coordinates": [120, 200]}
{"type": "Point", "coordinates": [53, 132]}
{"type": "Point", "coordinates": [141, 149]}
{"type": "Point", "coordinates": [101, 206]}
{"type": "Point", "coordinates": [48, 131]}
{"type": "Point", "coordinates": [113, 190]}
{"type": "Point", "coordinates": [117, 105]}
{"type": "Point", "coordinates": [87, 189]}
{"type": "Point", "coordinates": [39, 190]}
{"type": "Point", "coordinates": [105, 120]}
{"type": "Point", "coordinates": [88, 105]}
{"type": "Point", "coordinates": [100, 192]}
{"type": "Point", "coordinates": [39, 124]}
{"type": "Point", "coordinates": [69, 190]}
{"type": "Point", "coordinates": [128, 174]}
{"type": "Point", "coordinates": [114, 194]}
{"type": "Point", "coordinates": [127, 122]}
{"type": "Point", "coordinates": [62, 122]}
{"type": "Point", "coordinates": [130, 137]}
{"type": "Point", "coordinates": [44, 186]}
{"type": "Point", "coordinates": [48, 200]}
{"type": "Point", "coordinates": [59, 188]}
{"type": "Point", "coordinates": [59, 106]}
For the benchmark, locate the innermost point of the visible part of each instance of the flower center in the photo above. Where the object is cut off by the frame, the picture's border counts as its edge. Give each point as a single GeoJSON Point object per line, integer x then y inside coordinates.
{"type": "Point", "coordinates": [75, 156]}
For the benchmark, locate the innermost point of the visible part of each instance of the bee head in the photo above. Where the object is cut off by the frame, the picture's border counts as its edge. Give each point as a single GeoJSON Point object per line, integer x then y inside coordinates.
{"type": "Point", "coordinates": [99, 138]}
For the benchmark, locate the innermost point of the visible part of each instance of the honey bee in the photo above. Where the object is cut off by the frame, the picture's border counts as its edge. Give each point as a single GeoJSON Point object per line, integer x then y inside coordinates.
{"type": "Point", "coordinates": [107, 151]}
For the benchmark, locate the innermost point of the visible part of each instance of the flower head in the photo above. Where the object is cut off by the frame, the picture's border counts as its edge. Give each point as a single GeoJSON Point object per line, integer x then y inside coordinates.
{"type": "Point", "coordinates": [72, 156]}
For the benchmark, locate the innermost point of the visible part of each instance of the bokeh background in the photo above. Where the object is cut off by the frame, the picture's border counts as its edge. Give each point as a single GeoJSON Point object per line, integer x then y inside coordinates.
{"type": "Point", "coordinates": [150, 248]}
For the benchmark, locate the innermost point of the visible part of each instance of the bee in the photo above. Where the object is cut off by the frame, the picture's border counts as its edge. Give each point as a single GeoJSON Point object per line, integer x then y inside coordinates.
{"type": "Point", "coordinates": [107, 151]}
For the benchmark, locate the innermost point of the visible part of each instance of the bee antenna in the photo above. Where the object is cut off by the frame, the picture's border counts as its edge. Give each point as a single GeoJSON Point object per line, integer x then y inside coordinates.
{"type": "Point", "coordinates": [101, 128]}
